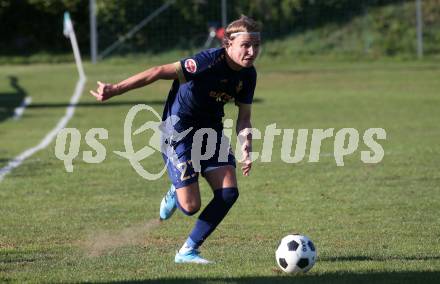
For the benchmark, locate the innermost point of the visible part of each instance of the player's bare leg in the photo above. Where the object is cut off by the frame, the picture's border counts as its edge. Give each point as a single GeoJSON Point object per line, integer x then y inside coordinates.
{"type": "Point", "coordinates": [221, 177]}
{"type": "Point", "coordinates": [188, 199]}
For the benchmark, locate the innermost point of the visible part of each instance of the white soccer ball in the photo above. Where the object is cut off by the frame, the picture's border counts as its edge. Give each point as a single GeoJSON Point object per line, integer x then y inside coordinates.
{"type": "Point", "coordinates": [296, 253]}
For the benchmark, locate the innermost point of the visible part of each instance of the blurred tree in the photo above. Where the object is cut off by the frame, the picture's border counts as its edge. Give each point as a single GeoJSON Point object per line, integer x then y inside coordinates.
{"type": "Point", "coordinates": [30, 26]}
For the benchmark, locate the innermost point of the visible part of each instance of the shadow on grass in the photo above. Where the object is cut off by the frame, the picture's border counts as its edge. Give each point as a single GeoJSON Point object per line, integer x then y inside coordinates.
{"type": "Point", "coordinates": [380, 258]}
{"type": "Point", "coordinates": [107, 104]}
{"type": "Point", "coordinates": [351, 69]}
{"type": "Point", "coordinates": [10, 101]}
{"type": "Point", "coordinates": [343, 277]}
{"type": "Point", "coordinates": [95, 104]}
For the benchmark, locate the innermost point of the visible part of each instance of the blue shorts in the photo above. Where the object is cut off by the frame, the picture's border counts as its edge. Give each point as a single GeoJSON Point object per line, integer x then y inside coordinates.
{"type": "Point", "coordinates": [182, 172]}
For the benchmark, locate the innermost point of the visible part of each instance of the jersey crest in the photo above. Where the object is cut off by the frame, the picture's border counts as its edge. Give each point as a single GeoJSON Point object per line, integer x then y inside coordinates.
{"type": "Point", "coordinates": [191, 65]}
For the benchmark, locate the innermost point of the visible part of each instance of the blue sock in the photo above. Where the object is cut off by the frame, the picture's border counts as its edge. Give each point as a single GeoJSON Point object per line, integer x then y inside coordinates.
{"type": "Point", "coordinates": [188, 245]}
{"type": "Point", "coordinates": [212, 215]}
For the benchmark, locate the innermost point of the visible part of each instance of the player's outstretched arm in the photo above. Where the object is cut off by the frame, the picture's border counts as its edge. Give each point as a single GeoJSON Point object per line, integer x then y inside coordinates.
{"type": "Point", "coordinates": [244, 134]}
{"type": "Point", "coordinates": [105, 91]}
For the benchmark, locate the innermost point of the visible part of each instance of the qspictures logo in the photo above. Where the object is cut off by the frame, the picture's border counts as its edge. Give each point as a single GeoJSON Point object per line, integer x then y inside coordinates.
{"type": "Point", "coordinates": [204, 143]}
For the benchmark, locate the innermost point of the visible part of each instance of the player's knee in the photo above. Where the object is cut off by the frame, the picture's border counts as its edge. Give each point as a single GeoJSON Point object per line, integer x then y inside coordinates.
{"type": "Point", "coordinates": [190, 208]}
{"type": "Point", "coordinates": [193, 209]}
{"type": "Point", "coordinates": [229, 195]}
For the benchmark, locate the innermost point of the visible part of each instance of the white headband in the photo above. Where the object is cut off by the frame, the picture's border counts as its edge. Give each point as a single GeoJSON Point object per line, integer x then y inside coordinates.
{"type": "Point", "coordinates": [245, 33]}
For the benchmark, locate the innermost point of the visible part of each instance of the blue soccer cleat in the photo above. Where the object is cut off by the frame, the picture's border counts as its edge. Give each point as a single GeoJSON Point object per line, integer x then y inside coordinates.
{"type": "Point", "coordinates": [191, 256]}
{"type": "Point", "coordinates": [168, 204]}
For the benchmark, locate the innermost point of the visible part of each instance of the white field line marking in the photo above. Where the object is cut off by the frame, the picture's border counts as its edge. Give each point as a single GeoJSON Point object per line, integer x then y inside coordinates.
{"type": "Point", "coordinates": [70, 110]}
{"type": "Point", "coordinates": [18, 112]}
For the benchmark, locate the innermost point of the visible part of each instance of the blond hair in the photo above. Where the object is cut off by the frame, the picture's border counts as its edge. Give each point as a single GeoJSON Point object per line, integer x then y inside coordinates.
{"type": "Point", "coordinates": [243, 24]}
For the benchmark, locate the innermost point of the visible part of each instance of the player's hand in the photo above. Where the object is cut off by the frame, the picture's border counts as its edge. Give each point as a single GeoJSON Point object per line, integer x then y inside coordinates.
{"type": "Point", "coordinates": [246, 161]}
{"type": "Point", "coordinates": [246, 167]}
{"type": "Point", "coordinates": [104, 91]}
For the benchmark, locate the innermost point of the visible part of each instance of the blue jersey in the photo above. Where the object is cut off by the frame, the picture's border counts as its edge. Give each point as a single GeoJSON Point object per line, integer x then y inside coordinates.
{"type": "Point", "coordinates": [206, 83]}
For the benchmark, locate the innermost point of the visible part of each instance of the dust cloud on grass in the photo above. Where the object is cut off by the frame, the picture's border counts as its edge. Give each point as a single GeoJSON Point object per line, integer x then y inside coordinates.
{"type": "Point", "coordinates": [101, 242]}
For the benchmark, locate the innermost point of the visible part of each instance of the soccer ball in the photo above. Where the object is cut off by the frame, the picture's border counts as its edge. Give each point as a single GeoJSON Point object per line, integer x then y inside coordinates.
{"type": "Point", "coordinates": [296, 253]}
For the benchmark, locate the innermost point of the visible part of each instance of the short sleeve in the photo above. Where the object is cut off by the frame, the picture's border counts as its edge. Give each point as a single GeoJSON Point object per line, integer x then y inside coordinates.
{"type": "Point", "coordinates": [246, 95]}
{"type": "Point", "coordinates": [189, 68]}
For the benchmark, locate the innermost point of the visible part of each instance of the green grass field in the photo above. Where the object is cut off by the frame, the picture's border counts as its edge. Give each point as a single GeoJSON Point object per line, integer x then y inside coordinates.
{"type": "Point", "coordinates": [370, 222]}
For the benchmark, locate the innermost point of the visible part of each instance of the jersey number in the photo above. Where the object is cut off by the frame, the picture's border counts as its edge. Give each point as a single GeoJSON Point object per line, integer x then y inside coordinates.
{"type": "Point", "coordinates": [183, 168]}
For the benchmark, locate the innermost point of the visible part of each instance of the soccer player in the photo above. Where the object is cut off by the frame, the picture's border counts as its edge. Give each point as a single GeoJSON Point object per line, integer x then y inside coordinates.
{"type": "Point", "coordinates": [202, 85]}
